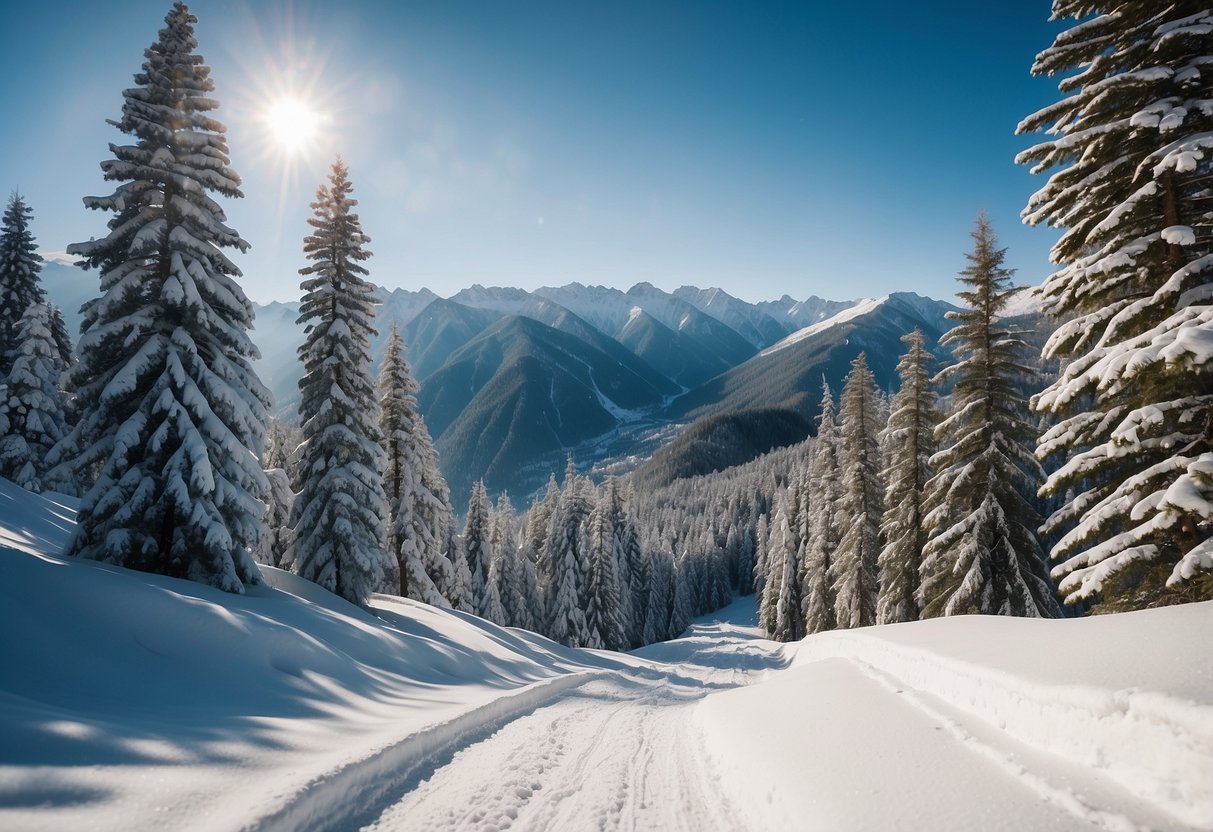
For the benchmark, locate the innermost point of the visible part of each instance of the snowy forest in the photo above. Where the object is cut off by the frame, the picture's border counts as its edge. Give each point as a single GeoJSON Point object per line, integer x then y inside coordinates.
{"type": "Point", "coordinates": [996, 477]}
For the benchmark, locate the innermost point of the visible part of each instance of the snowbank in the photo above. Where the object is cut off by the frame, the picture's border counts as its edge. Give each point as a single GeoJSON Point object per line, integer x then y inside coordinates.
{"type": "Point", "coordinates": [1116, 711]}
{"type": "Point", "coordinates": [131, 700]}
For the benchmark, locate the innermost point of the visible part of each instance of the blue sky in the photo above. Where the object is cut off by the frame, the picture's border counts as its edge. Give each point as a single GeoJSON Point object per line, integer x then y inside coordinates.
{"type": "Point", "coordinates": [769, 147]}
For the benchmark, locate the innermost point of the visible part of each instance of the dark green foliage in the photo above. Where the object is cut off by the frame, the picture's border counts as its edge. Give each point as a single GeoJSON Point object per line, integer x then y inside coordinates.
{"type": "Point", "coordinates": [718, 442]}
{"type": "Point", "coordinates": [171, 413]}
{"type": "Point", "coordinates": [982, 555]}
{"type": "Point", "coordinates": [20, 265]}
{"type": "Point", "coordinates": [1131, 162]}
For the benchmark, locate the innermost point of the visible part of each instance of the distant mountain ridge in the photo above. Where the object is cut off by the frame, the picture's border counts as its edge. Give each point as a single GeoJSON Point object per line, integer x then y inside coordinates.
{"type": "Point", "coordinates": [512, 380]}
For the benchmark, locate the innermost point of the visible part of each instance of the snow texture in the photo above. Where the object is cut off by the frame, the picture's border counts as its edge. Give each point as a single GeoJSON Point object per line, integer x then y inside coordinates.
{"type": "Point", "coordinates": [305, 711]}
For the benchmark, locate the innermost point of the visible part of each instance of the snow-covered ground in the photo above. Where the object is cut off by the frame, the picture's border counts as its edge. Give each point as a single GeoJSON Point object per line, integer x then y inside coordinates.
{"type": "Point", "coordinates": [131, 701]}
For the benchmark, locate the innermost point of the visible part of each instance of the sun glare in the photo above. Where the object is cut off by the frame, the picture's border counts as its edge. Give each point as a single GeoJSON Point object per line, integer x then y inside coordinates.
{"type": "Point", "coordinates": [293, 123]}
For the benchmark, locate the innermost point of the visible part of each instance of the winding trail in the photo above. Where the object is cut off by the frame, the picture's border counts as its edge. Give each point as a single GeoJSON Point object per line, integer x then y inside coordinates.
{"type": "Point", "coordinates": [618, 752]}
{"type": "Point", "coordinates": [864, 730]}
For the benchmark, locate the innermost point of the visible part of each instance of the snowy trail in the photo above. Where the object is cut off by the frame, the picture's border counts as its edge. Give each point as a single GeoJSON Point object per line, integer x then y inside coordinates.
{"type": "Point", "coordinates": [618, 752]}
{"type": "Point", "coordinates": [726, 731]}
{"type": "Point", "coordinates": [612, 755]}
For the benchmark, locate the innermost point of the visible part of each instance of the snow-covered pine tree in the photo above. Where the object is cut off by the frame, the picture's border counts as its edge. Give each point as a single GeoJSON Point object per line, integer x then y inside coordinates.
{"type": "Point", "coordinates": [171, 412]}
{"type": "Point", "coordinates": [1132, 160]}
{"type": "Point", "coordinates": [491, 608]}
{"type": "Point", "coordinates": [433, 521]}
{"type": "Point", "coordinates": [562, 578]}
{"type": "Point", "coordinates": [395, 386]}
{"type": "Point", "coordinates": [20, 288]}
{"type": "Point", "coordinates": [910, 443]}
{"type": "Point", "coordinates": [635, 573]}
{"type": "Point", "coordinates": [31, 408]}
{"type": "Point", "coordinates": [782, 599]}
{"type": "Point", "coordinates": [279, 500]}
{"type": "Point", "coordinates": [532, 611]}
{"type": "Point", "coordinates": [825, 483]}
{"type": "Point", "coordinates": [281, 440]}
{"type": "Point", "coordinates": [773, 613]}
{"type": "Point", "coordinates": [507, 566]}
{"type": "Point", "coordinates": [477, 535]}
{"type": "Point", "coordinates": [681, 609]}
{"type": "Point", "coordinates": [417, 510]}
{"type": "Point", "coordinates": [982, 554]}
{"type": "Point", "coordinates": [339, 519]}
{"type": "Point", "coordinates": [660, 569]}
{"type": "Point", "coordinates": [606, 612]}
{"type": "Point", "coordinates": [65, 350]}
{"type": "Point", "coordinates": [852, 572]}
{"type": "Point", "coordinates": [539, 517]}
{"type": "Point", "coordinates": [281, 444]}
{"type": "Point", "coordinates": [459, 588]}
{"type": "Point", "coordinates": [761, 547]}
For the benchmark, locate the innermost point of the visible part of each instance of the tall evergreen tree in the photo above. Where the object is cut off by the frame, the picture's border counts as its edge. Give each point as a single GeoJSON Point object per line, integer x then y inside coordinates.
{"type": "Point", "coordinates": [31, 408]}
{"type": "Point", "coordinates": [281, 440]}
{"type": "Point", "coordinates": [609, 608]}
{"type": "Point", "coordinates": [681, 609]}
{"type": "Point", "coordinates": [759, 577]}
{"type": "Point", "coordinates": [853, 575]}
{"type": "Point", "coordinates": [65, 350]}
{"type": "Point", "coordinates": [781, 550]}
{"type": "Point", "coordinates": [982, 555]}
{"type": "Point", "coordinates": [539, 517]}
{"type": "Point", "coordinates": [509, 568]}
{"type": "Point", "coordinates": [910, 437]}
{"type": "Point", "coordinates": [279, 500]}
{"type": "Point", "coordinates": [1132, 160]}
{"type": "Point", "coordinates": [783, 597]}
{"type": "Point", "coordinates": [432, 522]}
{"type": "Point", "coordinates": [660, 599]}
{"type": "Point", "coordinates": [418, 498]}
{"type": "Point", "coordinates": [532, 611]}
{"type": "Point", "coordinates": [562, 578]}
{"type": "Point", "coordinates": [634, 577]}
{"type": "Point", "coordinates": [20, 288]}
{"type": "Point", "coordinates": [339, 519]}
{"type": "Point", "coordinates": [459, 589]}
{"type": "Point", "coordinates": [825, 482]}
{"type": "Point", "coordinates": [477, 535]}
{"type": "Point", "coordinates": [171, 412]}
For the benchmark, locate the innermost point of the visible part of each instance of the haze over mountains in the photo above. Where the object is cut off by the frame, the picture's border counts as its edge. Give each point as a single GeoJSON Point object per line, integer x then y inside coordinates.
{"type": "Point", "coordinates": [511, 380]}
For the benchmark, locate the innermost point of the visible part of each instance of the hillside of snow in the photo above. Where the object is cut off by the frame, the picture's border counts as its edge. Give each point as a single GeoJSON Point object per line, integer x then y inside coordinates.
{"type": "Point", "coordinates": [130, 701]}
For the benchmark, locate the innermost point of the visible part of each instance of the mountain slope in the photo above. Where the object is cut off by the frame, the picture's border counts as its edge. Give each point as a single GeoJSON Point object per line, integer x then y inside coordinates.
{"type": "Point", "coordinates": [559, 318]}
{"type": "Point", "coordinates": [711, 335]}
{"type": "Point", "coordinates": [439, 330]}
{"type": "Point", "coordinates": [715, 443]}
{"type": "Point", "coordinates": [789, 374]}
{"type": "Point", "coordinates": [746, 319]}
{"type": "Point", "coordinates": [670, 352]}
{"type": "Point", "coordinates": [521, 393]}
{"type": "Point", "coordinates": [797, 314]}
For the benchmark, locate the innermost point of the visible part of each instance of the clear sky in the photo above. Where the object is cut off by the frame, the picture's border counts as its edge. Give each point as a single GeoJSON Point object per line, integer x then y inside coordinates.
{"type": "Point", "coordinates": [768, 147]}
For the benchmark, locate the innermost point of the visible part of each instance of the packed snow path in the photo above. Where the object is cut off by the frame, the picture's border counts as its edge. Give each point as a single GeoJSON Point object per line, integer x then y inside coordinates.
{"type": "Point", "coordinates": [619, 751]}
{"type": "Point", "coordinates": [857, 732]}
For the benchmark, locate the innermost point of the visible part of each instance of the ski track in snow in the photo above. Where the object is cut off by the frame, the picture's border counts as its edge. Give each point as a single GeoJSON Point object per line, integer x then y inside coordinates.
{"type": "Point", "coordinates": [616, 750]}
{"type": "Point", "coordinates": [631, 749]}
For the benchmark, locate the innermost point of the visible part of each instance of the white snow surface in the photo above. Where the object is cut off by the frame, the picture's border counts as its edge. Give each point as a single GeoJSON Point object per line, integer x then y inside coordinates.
{"type": "Point", "coordinates": [862, 307]}
{"type": "Point", "coordinates": [131, 701]}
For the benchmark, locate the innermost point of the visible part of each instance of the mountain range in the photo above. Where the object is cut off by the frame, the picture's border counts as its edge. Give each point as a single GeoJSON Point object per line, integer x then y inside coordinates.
{"type": "Point", "coordinates": [512, 381]}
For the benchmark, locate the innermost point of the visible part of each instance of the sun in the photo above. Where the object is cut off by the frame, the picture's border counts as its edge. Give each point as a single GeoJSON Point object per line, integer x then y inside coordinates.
{"type": "Point", "coordinates": [292, 123]}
